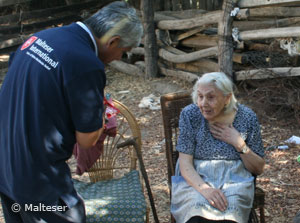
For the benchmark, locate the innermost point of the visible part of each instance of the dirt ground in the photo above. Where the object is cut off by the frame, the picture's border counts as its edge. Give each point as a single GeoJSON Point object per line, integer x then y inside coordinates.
{"type": "Point", "coordinates": [280, 180]}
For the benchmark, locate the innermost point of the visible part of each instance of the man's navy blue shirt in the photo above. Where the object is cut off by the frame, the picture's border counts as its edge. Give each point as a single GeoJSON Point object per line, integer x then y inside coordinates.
{"type": "Point", "coordinates": [54, 87]}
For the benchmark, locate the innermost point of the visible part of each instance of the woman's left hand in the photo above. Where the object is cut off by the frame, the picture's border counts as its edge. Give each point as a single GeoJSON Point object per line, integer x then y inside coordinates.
{"type": "Point", "coordinates": [226, 133]}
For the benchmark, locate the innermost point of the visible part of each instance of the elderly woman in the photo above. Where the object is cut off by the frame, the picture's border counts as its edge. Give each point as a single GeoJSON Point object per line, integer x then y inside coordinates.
{"type": "Point", "coordinates": [220, 149]}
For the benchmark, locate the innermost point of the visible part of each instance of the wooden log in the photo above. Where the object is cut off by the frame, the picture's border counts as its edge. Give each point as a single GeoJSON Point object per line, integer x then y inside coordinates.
{"type": "Point", "coordinates": [258, 3]}
{"type": "Point", "coordinates": [126, 68]}
{"type": "Point", "coordinates": [183, 14]}
{"type": "Point", "coordinates": [42, 13]}
{"type": "Point", "coordinates": [13, 42]}
{"type": "Point", "coordinates": [267, 73]}
{"type": "Point", "coordinates": [12, 2]}
{"type": "Point", "coordinates": [172, 52]}
{"type": "Point", "coordinates": [189, 33]}
{"type": "Point", "coordinates": [200, 41]}
{"type": "Point", "coordinates": [240, 58]}
{"type": "Point", "coordinates": [157, 16]}
{"type": "Point", "coordinates": [39, 25]}
{"type": "Point", "coordinates": [201, 66]}
{"type": "Point", "coordinates": [274, 23]}
{"type": "Point", "coordinates": [138, 51]}
{"type": "Point", "coordinates": [270, 33]}
{"type": "Point", "coordinates": [151, 54]}
{"type": "Point", "coordinates": [176, 5]}
{"type": "Point", "coordinates": [205, 19]}
{"type": "Point", "coordinates": [225, 40]}
{"type": "Point", "coordinates": [183, 58]}
{"type": "Point", "coordinates": [189, 77]}
{"type": "Point", "coordinates": [265, 47]}
{"type": "Point", "coordinates": [141, 50]}
{"type": "Point", "coordinates": [275, 11]}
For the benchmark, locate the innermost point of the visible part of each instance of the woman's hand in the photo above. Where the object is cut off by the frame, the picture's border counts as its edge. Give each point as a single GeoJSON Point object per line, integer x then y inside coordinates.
{"type": "Point", "coordinates": [215, 197]}
{"type": "Point", "coordinates": [227, 133]}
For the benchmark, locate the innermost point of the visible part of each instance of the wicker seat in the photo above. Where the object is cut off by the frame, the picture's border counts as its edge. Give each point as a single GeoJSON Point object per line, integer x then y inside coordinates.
{"type": "Point", "coordinates": [115, 193]}
{"type": "Point", "coordinates": [171, 106]}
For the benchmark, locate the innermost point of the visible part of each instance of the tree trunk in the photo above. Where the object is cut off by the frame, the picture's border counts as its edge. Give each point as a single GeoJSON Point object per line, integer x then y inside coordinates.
{"type": "Point", "coordinates": [194, 4]}
{"type": "Point", "coordinates": [225, 39]}
{"type": "Point", "coordinates": [150, 45]}
{"type": "Point", "coordinates": [176, 5]}
{"type": "Point", "coordinates": [186, 4]}
{"type": "Point", "coordinates": [167, 5]}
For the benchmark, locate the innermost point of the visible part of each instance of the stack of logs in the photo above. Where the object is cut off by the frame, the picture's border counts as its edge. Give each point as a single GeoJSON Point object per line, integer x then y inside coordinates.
{"type": "Point", "coordinates": [265, 41]}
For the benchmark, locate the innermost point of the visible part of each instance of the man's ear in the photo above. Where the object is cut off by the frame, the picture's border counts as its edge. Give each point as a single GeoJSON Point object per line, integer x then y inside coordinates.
{"type": "Point", "coordinates": [113, 42]}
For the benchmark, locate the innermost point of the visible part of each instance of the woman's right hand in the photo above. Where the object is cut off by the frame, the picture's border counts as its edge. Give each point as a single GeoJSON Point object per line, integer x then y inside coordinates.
{"type": "Point", "coordinates": [215, 197]}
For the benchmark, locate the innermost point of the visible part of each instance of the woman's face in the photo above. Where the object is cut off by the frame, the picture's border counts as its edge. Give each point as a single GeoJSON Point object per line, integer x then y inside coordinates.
{"type": "Point", "coordinates": [211, 101]}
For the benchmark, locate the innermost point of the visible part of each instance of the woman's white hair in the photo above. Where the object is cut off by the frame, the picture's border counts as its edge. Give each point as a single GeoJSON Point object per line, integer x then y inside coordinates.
{"type": "Point", "coordinates": [221, 82]}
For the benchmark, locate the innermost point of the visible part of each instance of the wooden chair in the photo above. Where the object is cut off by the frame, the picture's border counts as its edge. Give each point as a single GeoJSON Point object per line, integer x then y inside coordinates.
{"type": "Point", "coordinates": [171, 106]}
{"type": "Point", "coordinates": [115, 193]}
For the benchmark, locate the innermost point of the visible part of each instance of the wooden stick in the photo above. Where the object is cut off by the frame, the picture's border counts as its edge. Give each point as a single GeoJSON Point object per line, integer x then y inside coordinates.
{"type": "Point", "coordinates": [275, 11]}
{"type": "Point", "coordinates": [190, 77]}
{"type": "Point", "coordinates": [250, 25]}
{"type": "Point", "coordinates": [12, 2]}
{"type": "Point", "coordinates": [42, 13]}
{"type": "Point", "coordinates": [41, 25]}
{"type": "Point", "coordinates": [200, 41]}
{"type": "Point", "coordinates": [201, 66]}
{"type": "Point", "coordinates": [213, 51]}
{"type": "Point", "coordinates": [189, 33]}
{"type": "Point", "coordinates": [268, 73]}
{"type": "Point", "coordinates": [183, 14]}
{"type": "Point", "coordinates": [207, 18]}
{"type": "Point", "coordinates": [126, 68]}
{"type": "Point", "coordinates": [225, 41]}
{"type": "Point", "coordinates": [13, 42]}
{"type": "Point", "coordinates": [256, 3]}
{"type": "Point", "coordinates": [270, 33]}
{"type": "Point", "coordinates": [151, 51]}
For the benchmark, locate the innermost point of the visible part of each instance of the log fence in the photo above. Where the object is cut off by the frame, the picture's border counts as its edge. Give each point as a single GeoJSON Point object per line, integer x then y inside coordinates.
{"type": "Point", "coordinates": [190, 42]}
{"type": "Point", "coordinates": [192, 45]}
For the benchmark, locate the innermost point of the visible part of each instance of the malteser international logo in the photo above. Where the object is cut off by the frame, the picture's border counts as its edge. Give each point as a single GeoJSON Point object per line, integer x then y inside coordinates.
{"type": "Point", "coordinates": [28, 42]}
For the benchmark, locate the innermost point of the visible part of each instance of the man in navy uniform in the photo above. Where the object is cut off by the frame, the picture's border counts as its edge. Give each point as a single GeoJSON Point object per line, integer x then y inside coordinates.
{"type": "Point", "coordinates": [51, 98]}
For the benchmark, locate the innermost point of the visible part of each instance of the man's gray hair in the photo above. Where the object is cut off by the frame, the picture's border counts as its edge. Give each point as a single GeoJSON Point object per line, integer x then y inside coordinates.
{"type": "Point", "coordinates": [221, 82]}
{"type": "Point", "coordinates": [117, 19]}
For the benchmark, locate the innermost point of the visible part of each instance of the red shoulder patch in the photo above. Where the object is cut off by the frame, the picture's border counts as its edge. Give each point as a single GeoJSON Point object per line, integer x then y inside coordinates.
{"type": "Point", "coordinates": [28, 42]}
